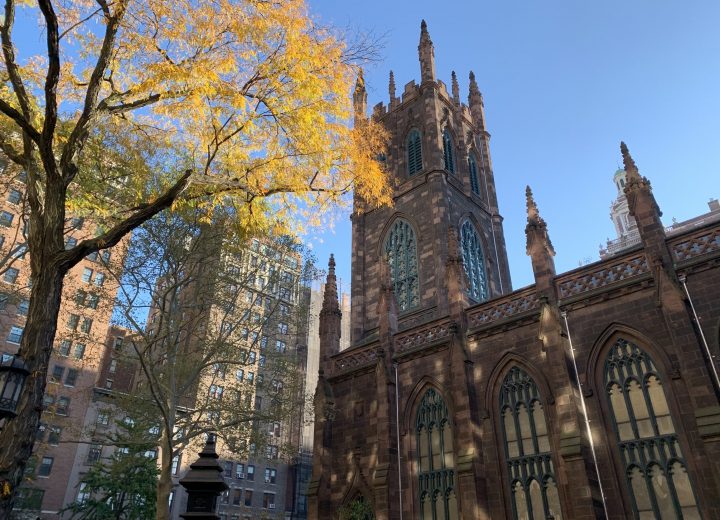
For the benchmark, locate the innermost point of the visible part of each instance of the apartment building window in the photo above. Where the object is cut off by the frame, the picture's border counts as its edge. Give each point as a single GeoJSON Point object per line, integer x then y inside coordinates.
{"type": "Point", "coordinates": [16, 334]}
{"type": "Point", "coordinates": [87, 275]}
{"type": "Point", "coordinates": [270, 475]}
{"type": "Point", "coordinates": [262, 360]}
{"type": "Point", "coordinates": [252, 357]}
{"type": "Point", "coordinates": [77, 222]}
{"type": "Point", "coordinates": [45, 467]}
{"type": "Point", "coordinates": [258, 402]}
{"type": "Point", "coordinates": [280, 346]}
{"type": "Point", "coordinates": [94, 454]}
{"type": "Point", "coordinates": [103, 418]}
{"type": "Point", "coordinates": [109, 384]}
{"type": "Point", "coordinates": [269, 500]}
{"type": "Point", "coordinates": [240, 471]}
{"type": "Point", "coordinates": [86, 325]}
{"type": "Point", "coordinates": [282, 328]}
{"type": "Point", "coordinates": [63, 403]}
{"type": "Point", "coordinates": [64, 348]}
{"type": "Point", "coordinates": [275, 429]}
{"type": "Point", "coordinates": [251, 472]}
{"type": "Point", "coordinates": [285, 293]}
{"type": "Point", "coordinates": [80, 297]}
{"type": "Point", "coordinates": [263, 342]}
{"type": "Point", "coordinates": [57, 374]}
{"type": "Point", "coordinates": [271, 452]}
{"type": "Point", "coordinates": [93, 301]}
{"type": "Point", "coordinates": [70, 242]}
{"type": "Point", "coordinates": [113, 366]}
{"type": "Point", "coordinates": [175, 465]}
{"type": "Point", "coordinates": [15, 196]}
{"type": "Point", "coordinates": [6, 218]}
{"type": "Point", "coordinates": [99, 279]}
{"type": "Point", "coordinates": [92, 256]}
{"type": "Point", "coordinates": [73, 321]}
{"type": "Point", "coordinates": [54, 433]}
{"type": "Point", "coordinates": [82, 495]}
{"type": "Point", "coordinates": [23, 307]}
{"type": "Point", "coordinates": [105, 256]}
{"type": "Point", "coordinates": [237, 497]}
{"type": "Point", "coordinates": [3, 300]}
{"type": "Point", "coordinates": [240, 374]}
{"type": "Point", "coordinates": [79, 351]}
{"type": "Point", "coordinates": [118, 343]}
{"type": "Point", "coordinates": [11, 275]}
{"type": "Point", "coordinates": [248, 497]}
{"type": "Point", "coordinates": [216, 392]}
{"type": "Point", "coordinates": [71, 377]}
{"type": "Point", "coordinates": [220, 369]}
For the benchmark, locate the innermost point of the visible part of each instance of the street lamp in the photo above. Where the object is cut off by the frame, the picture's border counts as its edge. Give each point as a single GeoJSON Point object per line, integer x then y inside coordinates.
{"type": "Point", "coordinates": [13, 373]}
{"type": "Point", "coordinates": [204, 483]}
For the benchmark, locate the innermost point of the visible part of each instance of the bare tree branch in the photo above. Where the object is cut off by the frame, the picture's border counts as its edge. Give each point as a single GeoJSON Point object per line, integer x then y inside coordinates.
{"type": "Point", "coordinates": [51, 82]}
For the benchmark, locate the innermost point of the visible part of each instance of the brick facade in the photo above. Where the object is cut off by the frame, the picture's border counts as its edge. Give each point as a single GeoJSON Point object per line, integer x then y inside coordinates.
{"type": "Point", "coordinates": [367, 399]}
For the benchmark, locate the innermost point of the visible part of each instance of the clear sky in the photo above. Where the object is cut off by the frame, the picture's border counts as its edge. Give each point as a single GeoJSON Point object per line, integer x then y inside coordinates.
{"type": "Point", "coordinates": [564, 82]}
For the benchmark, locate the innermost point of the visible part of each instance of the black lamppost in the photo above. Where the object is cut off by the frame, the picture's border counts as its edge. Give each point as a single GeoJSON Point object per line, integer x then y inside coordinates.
{"type": "Point", "coordinates": [13, 373]}
{"type": "Point", "coordinates": [204, 483]}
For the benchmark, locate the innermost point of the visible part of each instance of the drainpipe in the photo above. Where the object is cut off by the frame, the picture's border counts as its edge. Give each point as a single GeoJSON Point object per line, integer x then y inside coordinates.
{"type": "Point", "coordinates": [397, 431]}
{"type": "Point", "coordinates": [585, 414]}
{"type": "Point", "coordinates": [682, 278]}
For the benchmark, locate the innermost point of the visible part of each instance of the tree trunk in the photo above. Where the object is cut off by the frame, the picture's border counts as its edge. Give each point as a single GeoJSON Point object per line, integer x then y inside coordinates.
{"type": "Point", "coordinates": [18, 434]}
{"type": "Point", "coordinates": [164, 486]}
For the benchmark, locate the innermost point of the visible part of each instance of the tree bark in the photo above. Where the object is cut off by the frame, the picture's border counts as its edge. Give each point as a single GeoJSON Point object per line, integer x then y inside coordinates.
{"type": "Point", "coordinates": [18, 435]}
{"type": "Point", "coordinates": [164, 486]}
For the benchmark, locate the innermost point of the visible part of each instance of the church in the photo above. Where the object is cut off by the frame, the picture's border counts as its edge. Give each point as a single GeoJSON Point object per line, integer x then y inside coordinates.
{"type": "Point", "coordinates": [590, 394]}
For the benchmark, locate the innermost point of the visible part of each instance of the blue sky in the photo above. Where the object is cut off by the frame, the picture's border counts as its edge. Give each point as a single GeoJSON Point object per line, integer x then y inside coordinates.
{"type": "Point", "coordinates": [563, 83]}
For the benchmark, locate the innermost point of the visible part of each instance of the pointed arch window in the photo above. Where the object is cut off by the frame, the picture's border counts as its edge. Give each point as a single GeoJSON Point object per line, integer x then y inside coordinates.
{"type": "Point", "coordinates": [527, 449]}
{"type": "Point", "coordinates": [401, 253]}
{"type": "Point", "coordinates": [414, 151]}
{"type": "Point", "coordinates": [472, 168]}
{"type": "Point", "coordinates": [655, 468]}
{"type": "Point", "coordinates": [435, 459]}
{"type": "Point", "coordinates": [448, 154]}
{"type": "Point", "coordinates": [473, 262]}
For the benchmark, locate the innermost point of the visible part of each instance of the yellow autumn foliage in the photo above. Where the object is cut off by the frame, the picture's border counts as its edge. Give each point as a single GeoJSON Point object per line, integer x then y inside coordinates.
{"type": "Point", "coordinates": [252, 96]}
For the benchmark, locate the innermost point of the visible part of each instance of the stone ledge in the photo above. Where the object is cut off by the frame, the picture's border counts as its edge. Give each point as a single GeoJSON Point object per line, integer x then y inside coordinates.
{"type": "Point", "coordinates": [571, 445]}
{"type": "Point", "coordinates": [708, 421]}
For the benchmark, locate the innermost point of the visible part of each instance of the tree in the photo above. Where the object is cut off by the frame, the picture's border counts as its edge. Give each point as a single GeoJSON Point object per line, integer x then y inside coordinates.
{"type": "Point", "coordinates": [217, 352]}
{"type": "Point", "coordinates": [122, 488]}
{"type": "Point", "coordinates": [137, 107]}
{"type": "Point", "coordinates": [357, 509]}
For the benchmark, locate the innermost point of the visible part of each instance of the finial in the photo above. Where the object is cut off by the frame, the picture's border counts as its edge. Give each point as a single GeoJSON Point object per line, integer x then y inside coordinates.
{"type": "Point", "coordinates": [473, 84]}
{"type": "Point", "coordinates": [331, 264]}
{"type": "Point", "coordinates": [391, 87]}
{"type": "Point", "coordinates": [427, 55]}
{"type": "Point", "coordinates": [423, 26]}
{"type": "Point", "coordinates": [360, 82]}
{"type": "Point", "coordinates": [628, 162]}
{"type": "Point", "coordinates": [532, 210]}
{"type": "Point", "coordinates": [455, 88]}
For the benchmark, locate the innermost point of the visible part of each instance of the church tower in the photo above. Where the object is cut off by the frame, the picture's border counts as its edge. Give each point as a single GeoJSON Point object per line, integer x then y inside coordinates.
{"type": "Point", "coordinates": [439, 161]}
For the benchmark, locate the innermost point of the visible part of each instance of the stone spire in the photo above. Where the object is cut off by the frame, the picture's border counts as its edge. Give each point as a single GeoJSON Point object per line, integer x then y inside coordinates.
{"type": "Point", "coordinates": [427, 55]}
{"type": "Point", "coordinates": [360, 97]}
{"type": "Point", "coordinates": [330, 317]}
{"type": "Point", "coordinates": [391, 87]}
{"type": "Point", "coordinates": [475, 102]}
{"type": "Point", "coordinates": [539, 247]}
{"type": "Point", "coordinates": [455, 89]}
{"type": "Point", "coordinates": [638, 191]}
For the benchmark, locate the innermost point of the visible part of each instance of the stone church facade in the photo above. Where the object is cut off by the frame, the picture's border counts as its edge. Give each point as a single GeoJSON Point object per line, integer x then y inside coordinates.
{"type": "Point", "coordinates": [590, 394]}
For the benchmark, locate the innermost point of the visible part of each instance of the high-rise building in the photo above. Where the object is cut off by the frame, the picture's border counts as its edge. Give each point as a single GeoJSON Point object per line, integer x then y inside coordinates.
{"type": "Point", "coordinates": [589, 394]}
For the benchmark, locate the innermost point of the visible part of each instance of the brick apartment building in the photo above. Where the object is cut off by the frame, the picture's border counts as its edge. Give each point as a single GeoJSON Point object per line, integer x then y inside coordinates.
{"type": "Point", "coordinates": [589, 394]}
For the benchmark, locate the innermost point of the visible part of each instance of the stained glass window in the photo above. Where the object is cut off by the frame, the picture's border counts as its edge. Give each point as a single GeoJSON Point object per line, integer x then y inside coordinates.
{"type": "Point", "coordinates": [401, 251]}
{"type": "Point", "coordinates": [474, 262]}
{"type": "Point", "coordinates": [657, 478]}
{"type": "Point", "coordinates": [527, 449]}
{"type": "Point", "coordinates": [435, 459]}
{"type": "Point", "coordinates": [472, 167]}
{"type": "Point", "coordinates": [448, 152]}
{"type": "Point", "coordinates": [414, 148]}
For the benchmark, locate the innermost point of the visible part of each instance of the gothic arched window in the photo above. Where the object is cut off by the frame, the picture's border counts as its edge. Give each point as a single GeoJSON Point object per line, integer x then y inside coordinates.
{"type": "Point", "coordinates": [414, 151]}
{"type": "Point", "coordinates": [448, 151]}
{"type": "Point", "coordinates": [527, 449]}
{"type": "Point", "coordinates": [474, 262]}
{"type": "Point", "coordinates": [401, 251]}
{"type": "Point", "coordinates": [655, 468]}
{"type": "Point", "coordinates": [472, 167]}
{"type": "Point", "coordinates": [435, 459]}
